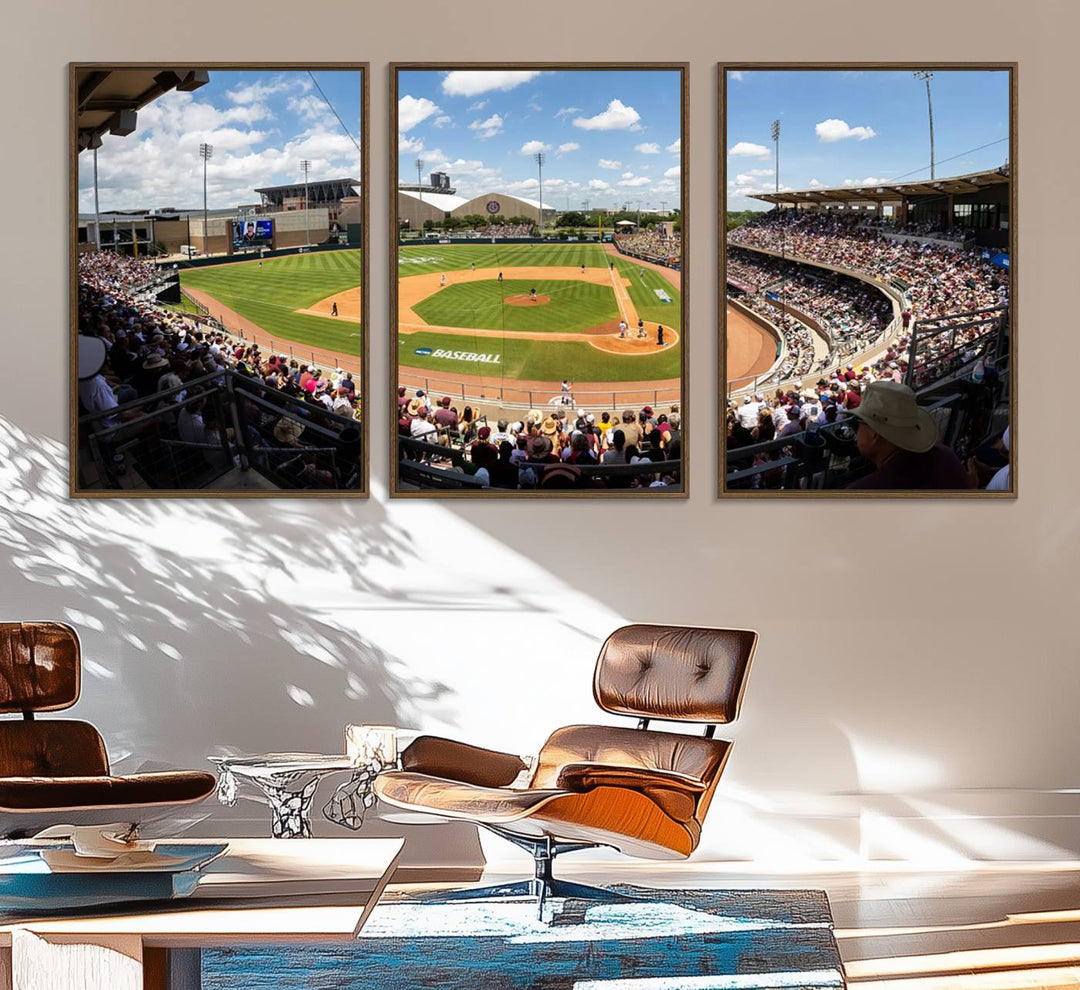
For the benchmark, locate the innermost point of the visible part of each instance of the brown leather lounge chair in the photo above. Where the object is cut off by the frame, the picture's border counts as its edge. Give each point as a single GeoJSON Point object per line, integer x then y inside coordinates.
{"type": "Point", "coordinates": [56, 771]}
{"type": "Point", "coordinates": [643, 792]}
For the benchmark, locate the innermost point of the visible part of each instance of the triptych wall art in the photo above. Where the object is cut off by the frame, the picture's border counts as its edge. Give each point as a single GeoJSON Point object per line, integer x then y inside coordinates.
{"type": "Point", "coordinates": [539, 248]}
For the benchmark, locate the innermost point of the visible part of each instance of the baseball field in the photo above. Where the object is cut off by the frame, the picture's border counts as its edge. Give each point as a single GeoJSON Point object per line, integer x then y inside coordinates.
{"type": "Point", "coordinates": [457, 316]}
{"type": "Point", "coordinates": [289, 298]}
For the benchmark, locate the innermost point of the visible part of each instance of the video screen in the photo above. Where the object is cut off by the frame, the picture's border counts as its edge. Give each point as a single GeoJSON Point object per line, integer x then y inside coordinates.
{"type": "Point", "coordinates": [252, 234]}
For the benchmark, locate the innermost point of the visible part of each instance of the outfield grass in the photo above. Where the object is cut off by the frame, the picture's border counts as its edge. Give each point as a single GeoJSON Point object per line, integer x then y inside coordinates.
{"type": "Point", "coordinates": [537, 360]}
{"type": "Point", "coordinates": [573, 306]}
{"type": "Point", "coordinates": [420, 258]}
{"type": "Point", "coordinates": [270, 297]}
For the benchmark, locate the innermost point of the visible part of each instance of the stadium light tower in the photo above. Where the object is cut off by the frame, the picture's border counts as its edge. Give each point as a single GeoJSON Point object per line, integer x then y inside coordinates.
{"type": "Point", "coordinates": [776, 142]}
{"type": "Point", "coordinates": [419, 185]}
{"type": "Point", "coordinates": [927, 76]}
{"type": "Point", "coordinates": [206, 152]}
{"type": "Point", "coordinates": [305, 167]}
{"type": "Point", "coordinates": [540, 158]}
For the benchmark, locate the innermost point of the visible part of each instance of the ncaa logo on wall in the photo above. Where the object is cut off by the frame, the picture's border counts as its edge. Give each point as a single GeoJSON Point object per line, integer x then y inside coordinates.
{"type": "Point", "coordinates": [493, 206]}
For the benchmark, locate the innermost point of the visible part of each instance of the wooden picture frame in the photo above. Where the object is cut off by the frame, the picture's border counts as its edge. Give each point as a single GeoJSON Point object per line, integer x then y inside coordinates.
{"type": "Point", "coordinates": [731, 484]}
{"type": "Point", "coordinates": [337, 469]}
{"type": "Point", "coordinates": [412, 489]}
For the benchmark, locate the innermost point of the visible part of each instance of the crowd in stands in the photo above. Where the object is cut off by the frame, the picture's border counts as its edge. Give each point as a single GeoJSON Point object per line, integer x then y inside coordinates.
{"type": "Point", "coordinates": [652, 245]}
{"type": "Point", "coordinates": [798, 354]}
{"type": "Point", "coordinates": [544, 450]}
{"type": "Point", "coordinates": [852, 314]}
{"type": "Point", "coordinates": [502, 230]}
{"type": "Point", "coordinates": [942, 279]}
{"type": "Point", "coordinates": [925, 229]}
{"type": "Point", "coordinates": [151, 349]}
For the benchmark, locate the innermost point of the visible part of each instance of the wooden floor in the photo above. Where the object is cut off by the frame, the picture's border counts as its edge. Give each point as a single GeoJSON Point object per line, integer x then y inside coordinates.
{"type": "Point", "coordinates": [990, 926]}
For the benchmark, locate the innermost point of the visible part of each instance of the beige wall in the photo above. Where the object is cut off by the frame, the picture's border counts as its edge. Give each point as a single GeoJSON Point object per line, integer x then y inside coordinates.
{"type": "Point", "coordinates": [416, 212]}
{"type": "Point", "coordinates": [918, 659]}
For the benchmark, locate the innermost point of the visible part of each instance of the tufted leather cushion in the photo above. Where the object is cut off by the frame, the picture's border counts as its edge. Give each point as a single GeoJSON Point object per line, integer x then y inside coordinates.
{"type": "Point", "coordinates": [39, 666]}
{"type": "Point", "coordinates": [35, 793]}
{"type": "Point", "coordinates": [438, 757]}
{"type": "Point", "coordinates": [678, 673]}
{"type": "Point", "coordinates": [51, 748]}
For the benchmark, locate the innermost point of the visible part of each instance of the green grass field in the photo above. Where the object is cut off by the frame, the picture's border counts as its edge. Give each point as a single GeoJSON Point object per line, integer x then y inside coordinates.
{"type": "Point", "coordinates": [270, 297]}
{"type": "Point", "coordinates": [573, 306]}
{"type": "Point", "coordinates": [478, 304]}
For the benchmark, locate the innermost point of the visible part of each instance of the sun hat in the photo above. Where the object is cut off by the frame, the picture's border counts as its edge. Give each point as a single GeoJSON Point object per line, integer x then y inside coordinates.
{"type": "Point", "coordinates": [155, 361]}
{"type": "Point", "coordinates": [550, 426]}
{"type": "Point", "coordinates": [414, 406]}
{"type": "Point", "coordinates": [890, 409]}
{"type": "Point", "coordinates": [91, 355]}
{"type": "Point", "coordinates": [539, 447]}
{"type": "Point", "coordinates": [287, 430]}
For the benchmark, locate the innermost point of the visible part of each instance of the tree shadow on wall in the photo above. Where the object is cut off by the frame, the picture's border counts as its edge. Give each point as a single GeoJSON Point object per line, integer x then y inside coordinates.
{"type": "Point", "coordinates": [197, 636]}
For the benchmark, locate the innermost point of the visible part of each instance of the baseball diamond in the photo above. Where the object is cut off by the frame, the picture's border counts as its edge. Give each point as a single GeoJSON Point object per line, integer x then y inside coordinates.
{"type": "Point", "coordinates": [456, 299]}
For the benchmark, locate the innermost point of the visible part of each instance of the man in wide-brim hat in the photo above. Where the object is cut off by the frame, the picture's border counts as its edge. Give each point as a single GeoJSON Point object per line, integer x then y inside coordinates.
{"type": "Point", "coordinates": [901, 440]}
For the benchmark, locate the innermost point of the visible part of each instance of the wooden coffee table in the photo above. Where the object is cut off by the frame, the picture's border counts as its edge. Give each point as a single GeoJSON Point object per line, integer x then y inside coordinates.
{"type": "Point", "coordinates": [261, 890]}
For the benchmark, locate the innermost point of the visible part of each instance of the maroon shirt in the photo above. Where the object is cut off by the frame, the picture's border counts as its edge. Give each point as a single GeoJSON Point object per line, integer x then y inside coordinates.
{"type": "Point", "coordinates": [939, 468]}
{"type": "Point", "coordinates": [446, 417]}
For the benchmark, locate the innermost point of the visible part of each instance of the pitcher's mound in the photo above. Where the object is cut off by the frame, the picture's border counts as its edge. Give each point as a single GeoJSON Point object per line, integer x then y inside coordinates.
{"type": "Point", "coordinates": [524, 299]}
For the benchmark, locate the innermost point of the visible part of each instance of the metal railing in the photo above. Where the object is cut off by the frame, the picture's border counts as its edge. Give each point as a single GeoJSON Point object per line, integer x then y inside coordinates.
{"type": "Point", "coordinates": [512, 396]}
{"type": "Point", "coordinates": [139, 445]}
{"type": "Point", "coordinates": [419, 460]}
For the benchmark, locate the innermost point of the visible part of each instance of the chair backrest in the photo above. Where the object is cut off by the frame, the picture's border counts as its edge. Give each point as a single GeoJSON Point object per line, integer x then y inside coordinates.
{"type": "Point", "coordinates": [39, 666]}
{"type": "Point", "coordinates": [674, 673]}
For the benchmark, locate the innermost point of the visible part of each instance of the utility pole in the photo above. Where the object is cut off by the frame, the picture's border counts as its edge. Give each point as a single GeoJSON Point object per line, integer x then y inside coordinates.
{"type": "Point", "coordinates": [206, 152]}
{"type": "Point", "coordinates": [927, 76]}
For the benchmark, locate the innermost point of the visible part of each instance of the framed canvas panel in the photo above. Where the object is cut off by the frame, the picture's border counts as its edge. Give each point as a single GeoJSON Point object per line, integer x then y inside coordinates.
{"type": "Point", "coordinates": [867, 272]}
{"type": "Point", "coordinates": [217, 256]}
{"type": "Point", "coordinates": [538, 280]}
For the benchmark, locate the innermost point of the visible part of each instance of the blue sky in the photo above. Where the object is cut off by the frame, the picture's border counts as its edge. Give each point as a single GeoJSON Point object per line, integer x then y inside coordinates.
{"type": "Point", "coordinates": [261, 124]}
{"type": "Point", "coordinates": [611, 136]}
{"type": "Point", "coordinates": [853, 127]}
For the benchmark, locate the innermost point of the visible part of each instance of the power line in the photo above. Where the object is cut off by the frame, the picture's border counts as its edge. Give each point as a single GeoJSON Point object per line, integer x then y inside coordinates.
{"type": "Point", "coordinates": [970, 151]}
{"type": "Point", "coordinates": [333, 111]}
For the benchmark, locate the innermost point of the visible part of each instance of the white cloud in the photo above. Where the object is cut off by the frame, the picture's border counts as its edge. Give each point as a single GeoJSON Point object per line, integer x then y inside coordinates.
{"type": "Point", "coordinates": [566, 148]}
{"type": "Point", "coordinates": [760, 171]}
{"type": "Point", "coordinates": [532, 147]}
{"type": "Point", "coordinates": [159, 165]}
{"type": "Point", "coordinates": [488, 128]}
{"type": "Point", "coordinates": [629, 179]}
{"type": "Point", "coordinates": [609, 163]}
{"type": "Point", "coordinates": [474, 82]}
{"type": "Point", "coordinates": [534, 106]}
{"type": "Point", "coordinates": [673, 172]}
{"type": "Point", "coordinates": [839, 130]}
{"type": "Point", "coordinates": [599, 184]}
{"type": "Point", "coordinates": [617, 117]}
{"type": "Point", "coordinates": [649, 148]}
{"type": "Point", "coordinates": [566, 111]}
{"type": "Point", "coordinates": [441, 121]}
{"type": "Point", "coordinates": [408, 145]}
{"type": "Point", "coordinates": [524, 185]}
{"type": "Point", "coordinates": [675, 147]}
{"type": "Point", "coordinates": [412, 111]}
{"type": "Point", "coordinates": [258, 91]}
{"type": "Point", "coordinates": [736, 75]}
{"type": "Point", "coordinates": [815, 184]}
{"type": "Point", "coordinates": [746, 149]}
{"type": "Point", "coordinates": [870, 180]}
{"type": "Point", "coordinates": [478, 105]}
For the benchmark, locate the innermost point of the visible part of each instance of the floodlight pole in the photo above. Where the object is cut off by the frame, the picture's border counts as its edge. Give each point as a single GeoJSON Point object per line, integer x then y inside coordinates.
{"type": "Point", "coordinates": [927, 76]}
{"type": "Point", "coordinates": [305, 167]}
{"type": "Point", "coordinates": [540, 158]}
{"type": "Point", "coordinates": [206, 151]}
{"type": "Point", "coordinates": [419, 185]}
{"type": "Point", "coordinates": [776, 186]}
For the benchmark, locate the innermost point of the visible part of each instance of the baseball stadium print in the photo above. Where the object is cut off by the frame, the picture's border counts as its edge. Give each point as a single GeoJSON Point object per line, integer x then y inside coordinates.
{"type": "Point", "coordinates": [537, 272]}
{"type": "Point", "coordinates": [869, 280]}
{"type": "Point", "coordinates": [217, 315]}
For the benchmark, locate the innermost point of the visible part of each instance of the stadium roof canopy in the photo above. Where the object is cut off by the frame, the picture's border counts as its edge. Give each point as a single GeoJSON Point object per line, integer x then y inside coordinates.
{"type": "Point", "coordinates": [439, 201]}
{"type": "Point", "coordinates": [107, 100]}
{"type": "Point", "coordinates": [297, 188]}
{"type": "Point", "coordinates": [891, 192]}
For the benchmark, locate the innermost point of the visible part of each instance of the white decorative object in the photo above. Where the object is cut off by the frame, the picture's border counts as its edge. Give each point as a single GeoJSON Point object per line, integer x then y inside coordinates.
{"type": "Point", "coordinates": [372, 749]}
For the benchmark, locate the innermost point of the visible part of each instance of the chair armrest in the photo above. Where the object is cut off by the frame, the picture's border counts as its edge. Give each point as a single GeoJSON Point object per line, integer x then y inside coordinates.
{"type": "Point", "coordinates": [676, 793]}
{"type": "Point", "coordinates": [453, 760]}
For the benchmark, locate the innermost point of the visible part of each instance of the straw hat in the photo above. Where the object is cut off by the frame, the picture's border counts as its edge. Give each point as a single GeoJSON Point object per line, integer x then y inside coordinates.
{"type": "Point", "coordinates": [287, 430]}
{"type": "Point", "coordinates": [890, 409]}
